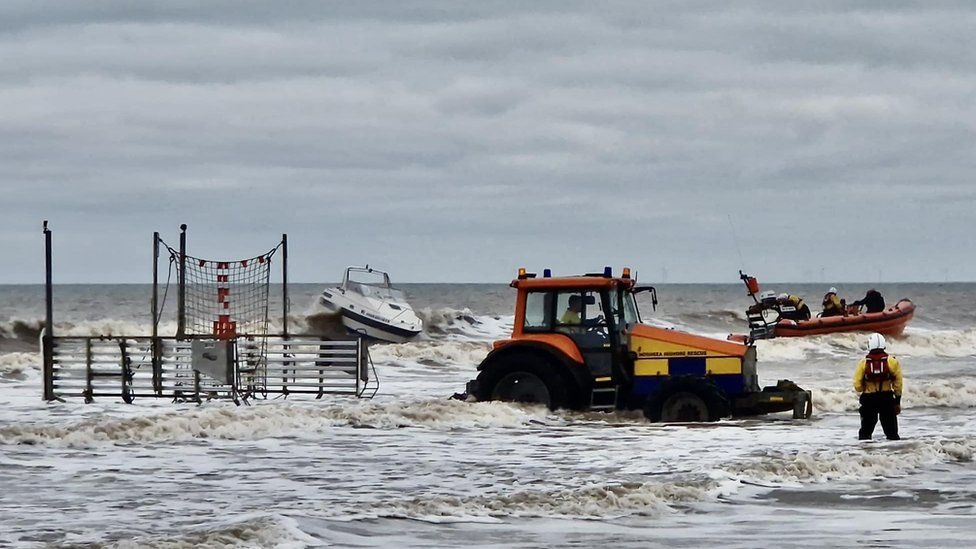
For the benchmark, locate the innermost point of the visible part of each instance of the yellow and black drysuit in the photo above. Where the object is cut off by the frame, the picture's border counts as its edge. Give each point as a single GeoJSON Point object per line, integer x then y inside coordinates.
{"type": "Point", "coordinates": [878, 378]}
{"type": "Point", "coordinates": [832, 305]}
{"type": "Point", "coordinates": [793, 308]}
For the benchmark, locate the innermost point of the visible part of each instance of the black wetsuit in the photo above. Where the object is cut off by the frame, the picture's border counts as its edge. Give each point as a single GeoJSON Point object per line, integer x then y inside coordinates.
{"type": "Point", "coordinates": [873, 302]}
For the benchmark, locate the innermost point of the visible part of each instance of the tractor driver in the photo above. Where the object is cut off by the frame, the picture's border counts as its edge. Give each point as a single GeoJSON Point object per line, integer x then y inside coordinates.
{"type": "Point", "coordinates": [573, 316]}
{"type": "Point", "coordinates": [573, 312]}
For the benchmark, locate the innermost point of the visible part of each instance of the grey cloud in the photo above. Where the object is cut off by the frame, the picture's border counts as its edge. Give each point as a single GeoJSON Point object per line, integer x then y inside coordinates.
{"type": "Point", "coordinates": [458, 142]}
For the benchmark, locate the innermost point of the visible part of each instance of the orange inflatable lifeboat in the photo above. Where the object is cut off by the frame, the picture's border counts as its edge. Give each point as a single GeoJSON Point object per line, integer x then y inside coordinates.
{"type": "Point", "coordinates": [889, 322]}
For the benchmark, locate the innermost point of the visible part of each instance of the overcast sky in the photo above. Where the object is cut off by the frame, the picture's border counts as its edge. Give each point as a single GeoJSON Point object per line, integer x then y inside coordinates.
{"type": "Point", "coordinates": [456, 142]}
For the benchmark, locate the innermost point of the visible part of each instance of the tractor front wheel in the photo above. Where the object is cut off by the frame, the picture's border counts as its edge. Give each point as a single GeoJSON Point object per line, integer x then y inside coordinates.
{"type": "Point", "coordinates": [687, 400]}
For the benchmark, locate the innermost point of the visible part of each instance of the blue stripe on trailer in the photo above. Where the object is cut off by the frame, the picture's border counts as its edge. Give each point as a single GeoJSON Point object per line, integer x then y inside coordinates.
{"type": "Point", "coordinates": [731, 384]}
{"type": "Point", "coordinates": [686, 366]}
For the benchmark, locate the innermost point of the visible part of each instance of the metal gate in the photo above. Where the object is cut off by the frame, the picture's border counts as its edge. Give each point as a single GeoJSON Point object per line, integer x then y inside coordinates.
{"type": "Point", "coordinates": [221, 349]}
{"type": "Point", "coordinates": [167, 367]}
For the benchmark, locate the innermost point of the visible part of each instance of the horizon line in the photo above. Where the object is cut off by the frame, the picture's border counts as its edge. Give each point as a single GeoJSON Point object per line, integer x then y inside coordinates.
{"type": "Point", "coordinates": [292, 282]}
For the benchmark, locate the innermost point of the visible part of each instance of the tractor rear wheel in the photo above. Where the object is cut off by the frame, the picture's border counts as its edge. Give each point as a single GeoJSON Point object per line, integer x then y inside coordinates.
{"type": "Point", "coordinates": [524, 379]}
{"type": "Point", "coordinates": [683, 400]}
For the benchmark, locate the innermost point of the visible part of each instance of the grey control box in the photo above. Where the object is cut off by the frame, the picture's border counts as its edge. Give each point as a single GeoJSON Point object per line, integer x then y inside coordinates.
{"type": "Point", "coordinates": [214, 358]}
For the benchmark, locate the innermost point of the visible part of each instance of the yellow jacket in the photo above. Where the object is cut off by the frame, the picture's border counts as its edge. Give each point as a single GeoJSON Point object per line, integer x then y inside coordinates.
{"type": "Point", "coordinates": [795, 301]}
{"type": "Point", "coordinates": [832, 303]}
{"type": "Point", "coordinates": [570, 317]}
{"type": "Point", "coordinates": [863, 386]}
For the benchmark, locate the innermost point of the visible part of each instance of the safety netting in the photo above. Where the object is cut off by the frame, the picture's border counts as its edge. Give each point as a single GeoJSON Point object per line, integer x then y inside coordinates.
{"type": "Point", "coordinates": [223, 299]}
{"type": "Point", "coordinates": [228, 300]}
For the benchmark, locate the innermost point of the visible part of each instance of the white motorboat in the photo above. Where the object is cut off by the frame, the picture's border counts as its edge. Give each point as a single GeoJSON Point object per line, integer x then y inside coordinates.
{"type": "Point", "coordinates": [371, 306]}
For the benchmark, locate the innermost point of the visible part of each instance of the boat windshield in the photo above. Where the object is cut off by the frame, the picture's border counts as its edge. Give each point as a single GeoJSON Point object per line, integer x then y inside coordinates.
{"type": "Point", "coordinates": [375, 291]}
{"type": "Point", "coordinates": [372, 283]}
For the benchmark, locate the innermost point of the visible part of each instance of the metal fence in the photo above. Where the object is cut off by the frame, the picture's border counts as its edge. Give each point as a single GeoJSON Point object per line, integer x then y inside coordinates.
{"type": "Point", "coordinates": [168, 367]}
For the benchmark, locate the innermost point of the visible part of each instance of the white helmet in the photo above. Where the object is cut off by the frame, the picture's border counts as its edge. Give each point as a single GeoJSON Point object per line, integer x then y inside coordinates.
{"type": "Point", "coordinates": [783, 297]}
{"type": "Point", "coordinates": [832, 290]}
{"type": "Point", "coordinates": [876, 341]}
{"type": "Point", "coordinates": [768, 294]}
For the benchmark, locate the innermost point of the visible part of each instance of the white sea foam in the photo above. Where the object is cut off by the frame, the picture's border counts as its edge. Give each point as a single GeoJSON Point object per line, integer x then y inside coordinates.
{"type": "Point", "coordinates": [19, 366]}
{"type": "Point", "coordinates": [941, 343]}
{"type": "Point", "coordinates": [607, 501]}
{"type": "Point", "coordinates": [711, 317]}
{"type": "Point", "coordinates": [20, 329]}
{"type": "Point", "coordinates": [253, 531]}
{"type": "Point", "coordinates": [948, 393]}
{"type": "Point", "coordinates": [447, 322]}
{"type": "Point", "coordinates": [441, 353]}
{"type": "Point", "coordinates": [273, 419]}
{"type": "Point", "coordinates": [856, 463]}
{"type": "Point", "coordinates": [914, 343]}
{"type": "Point", "coordinates": [600, 501]}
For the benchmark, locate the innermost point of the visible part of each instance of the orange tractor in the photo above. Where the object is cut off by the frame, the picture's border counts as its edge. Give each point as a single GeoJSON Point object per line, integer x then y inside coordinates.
{"type": "Point", "coordinates": [578, 342]}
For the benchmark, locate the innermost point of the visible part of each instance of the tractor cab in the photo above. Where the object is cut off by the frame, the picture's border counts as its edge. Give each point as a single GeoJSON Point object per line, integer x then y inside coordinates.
{"type": "Point", "coordinates": [578, 342]}
{"type": "Point", "coordinates": [591, 316]}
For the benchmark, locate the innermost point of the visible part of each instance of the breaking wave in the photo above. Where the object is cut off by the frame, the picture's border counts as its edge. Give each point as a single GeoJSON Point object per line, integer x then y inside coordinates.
{"type": "Point", "coordinates": [20, 335]}
{"type": "Point", "coordinates": [612, 500]}
{"type": "Point", "coordinates": [328, 325]}
{"type": "Point", "coordinates": [463, 353]}
{"type": "Point", "coordinates": [896, 459]}
{"type": "Point", "coordinates": [588, 502]}
{"type": "Point", "coordinates": [956, 393]}
{"type": "Point", "coordinates": [256, 531]}
{"type": "Point", "coordinates": [915, 343]}
{"type": "Point", "coordinates": [19, 366]}
{"type": "Point", "coordinates": [446, 322]}
{"type": "Point", "coordinates": [438, 324]}
{"type": "Point", "coordinates": [714, 318]}
{"type": "Point", "coordinates": [274, 420]}
{"type": "Point", "coordinates": [29, 331]}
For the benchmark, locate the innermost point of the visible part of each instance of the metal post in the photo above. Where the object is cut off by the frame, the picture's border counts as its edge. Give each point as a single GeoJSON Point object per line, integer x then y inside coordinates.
{"type": "Point", "coordinates": [47, 343]}
{"type": "Point", "coordinates": [126, 365]}
{"type": "Point", "coordinates": [284, 284]}
{"type": "Point", "coordinates": [154, 343]}
{"type": "Point", "coordinates": [360, 366]}
{"type": "Point", "coordinates": [89, 390]}
{"type": "Point", "coordinates": [181, 305]}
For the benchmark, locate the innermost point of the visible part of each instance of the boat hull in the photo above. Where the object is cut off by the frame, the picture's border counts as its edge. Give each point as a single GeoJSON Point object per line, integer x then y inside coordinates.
{"type": "Point", "coordinates": [363, 325]}
{"type": "Point", "coordinates": [371, 318]}
{"type": "Point", "coordinates": [890, 322]}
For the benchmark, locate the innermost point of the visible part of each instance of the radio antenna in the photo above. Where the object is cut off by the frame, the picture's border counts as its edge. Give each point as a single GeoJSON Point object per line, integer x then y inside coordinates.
{"type": "Point", "coordinates": [735, 240]}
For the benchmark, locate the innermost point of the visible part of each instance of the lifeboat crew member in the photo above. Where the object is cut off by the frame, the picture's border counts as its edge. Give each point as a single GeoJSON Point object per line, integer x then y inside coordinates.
{"type": "Point", "coordinates": [766, 300]}
{"type": "Point", "coordinates": [832, 304]}
{"type": "Point", "coordinates": [873, 302]}
{"type": "Point", "coordinates": [792, 307]}
{"type": "Point", "coordinates": [878, 379]}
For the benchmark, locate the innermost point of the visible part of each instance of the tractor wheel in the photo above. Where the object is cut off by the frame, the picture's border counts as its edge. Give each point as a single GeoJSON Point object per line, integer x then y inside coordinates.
{"type": "Point", "coordinates": [522, 378]}
{"type": "Point", "coordinates": [687, 399]}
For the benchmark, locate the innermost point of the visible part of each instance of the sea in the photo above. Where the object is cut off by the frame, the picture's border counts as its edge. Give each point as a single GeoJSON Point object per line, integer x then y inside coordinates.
{"type": "Point", "coordinates": [414, 468]}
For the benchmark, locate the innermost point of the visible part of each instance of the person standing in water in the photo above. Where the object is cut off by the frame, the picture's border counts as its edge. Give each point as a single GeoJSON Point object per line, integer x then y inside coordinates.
{"type": "Point", "coordinates": [879, 381]}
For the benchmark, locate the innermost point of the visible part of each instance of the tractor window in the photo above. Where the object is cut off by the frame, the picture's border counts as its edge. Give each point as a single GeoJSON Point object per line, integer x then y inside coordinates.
{"type": "Point", "coordinates": [630, 316]}
{"type": "Point", "coordinates": [536, 311]}
{"type": "Point", "coordinates": [579, 309]}
{"type": "Point", "coordinates": [624, 308]}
